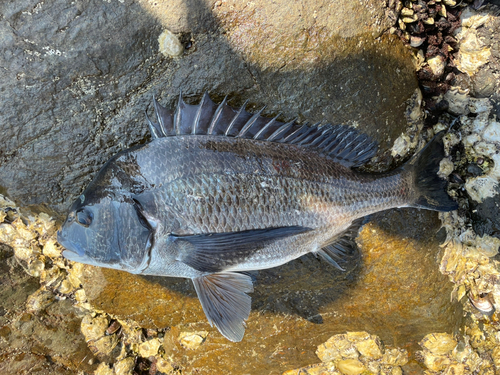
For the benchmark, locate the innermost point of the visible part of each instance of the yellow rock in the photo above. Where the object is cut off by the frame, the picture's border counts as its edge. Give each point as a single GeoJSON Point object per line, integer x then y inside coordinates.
{"type": "Point", "coordinates": [369, 348]}
{"type": "Point", "coordinates": [192, 340]}
{"type": "Point", "coordinates": [350, 367]}
{"type": "Point", "coordinates": [66, 287]}
{"type": "Point", "coordinates": [317, 369]}
{"type": "Point", "coordinates": [80, 295]}
{"type": "Point", "coordinates": [103, 369]}
{"type": "Point", "coordinates": [436, 362]}
{"type": "Point", "coordinates": [495, 355]}
{"type": "Point", "coordinates": [124, 367]}
{"type": "Point", "coordinates": [163, 365]}
{"type": "Point", "coordinates": [357, 336]}
{"type": "Point", "coordinates": [39, 300]}
{"type": "Point", "coordinates": [94, 328]}
{"type": "Point", "coordinates": [51, 250]}
{"type": "Point", "coordinates": [455, 369]}
{"type": "Point", "coordinates": [328, 352]}
{"type": "Point", "coordinates": [103, 346]}
{"type": "Point", "coordinates": [395, 357]}
{"type": "Point", "coordinates": [149, 348]}
{"type": "Point", "coordinates": [439, 343]}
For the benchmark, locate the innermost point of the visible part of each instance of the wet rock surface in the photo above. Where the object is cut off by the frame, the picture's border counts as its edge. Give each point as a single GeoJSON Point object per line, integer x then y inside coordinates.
{"type": "Point", "coordinates": [47, 341]}
{"type": "Point", "coordinates": [88, 71]}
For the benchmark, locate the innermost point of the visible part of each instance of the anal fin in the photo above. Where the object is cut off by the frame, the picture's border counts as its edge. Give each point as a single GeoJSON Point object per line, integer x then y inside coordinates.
{"type": "Point", "coordinates": [225, 302]}
{"type": "Point", "coordinates": [343, 248]}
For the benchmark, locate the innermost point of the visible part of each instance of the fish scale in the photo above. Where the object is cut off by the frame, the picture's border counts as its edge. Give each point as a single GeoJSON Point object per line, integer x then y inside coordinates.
{"type": "Point", "coordinates": [219, 192]}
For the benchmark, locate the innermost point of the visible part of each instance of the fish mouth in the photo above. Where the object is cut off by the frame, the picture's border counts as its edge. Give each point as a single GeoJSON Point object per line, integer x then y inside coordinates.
{"type": "Point", "coordinates": [72, 250]}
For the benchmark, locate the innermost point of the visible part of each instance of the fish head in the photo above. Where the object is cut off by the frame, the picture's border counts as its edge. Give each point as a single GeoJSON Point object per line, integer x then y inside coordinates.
{"type": "Point", "coordinates": [107, 230]}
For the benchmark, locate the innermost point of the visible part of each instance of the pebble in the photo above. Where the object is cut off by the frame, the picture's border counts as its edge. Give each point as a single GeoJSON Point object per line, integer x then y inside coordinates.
{"type": "Point", "coordinates": [439, 343]}
{"type": "Point", "coordinates": [416, 41]}
{"type": "Point", "coordinates": [169, 44]}
{"type": "Point", "coordinates": [103, 369]}
{"type": "Point", "coordinates": [437, 64]}
{"type": "Point", "coordinates": [124, 366]}
{"type": "Point", "coordinates": [103, 346]}
{"type": "Point", "coordinates": [163, 365]}
{"type": "Point", "coordinates": [51, 249]}
{"type": "Point", "coordinates": [149, 348]}
{"type": "Point", "coordinates": [350, 367]}
{"type": "Point", "coordinates": [94, 328]}
{"type": "Point", "coordinates": [39, 300]}
{"type": "Point", "coordinates": [446, 167]}
{"type": "Point", "coordinates": [192, 340]}
{"type": "Point", "coordinates": [369, 348]}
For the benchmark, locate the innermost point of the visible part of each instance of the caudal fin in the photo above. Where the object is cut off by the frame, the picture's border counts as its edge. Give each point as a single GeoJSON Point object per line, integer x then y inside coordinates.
{"type": "Point", "coordinates": [430, 188]}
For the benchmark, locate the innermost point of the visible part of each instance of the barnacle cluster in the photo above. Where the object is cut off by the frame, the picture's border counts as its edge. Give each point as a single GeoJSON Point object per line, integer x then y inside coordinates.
{"type": "Point", "coordinates": [469, 260]}
{"type": "Point", "coordinates": [355, 353]}
{"type": "Point", "coordinates": [117, 343]}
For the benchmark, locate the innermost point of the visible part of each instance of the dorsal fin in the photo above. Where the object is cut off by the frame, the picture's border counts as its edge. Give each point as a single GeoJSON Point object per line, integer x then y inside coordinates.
{"type": "Point", "coordinates": [341, 143]}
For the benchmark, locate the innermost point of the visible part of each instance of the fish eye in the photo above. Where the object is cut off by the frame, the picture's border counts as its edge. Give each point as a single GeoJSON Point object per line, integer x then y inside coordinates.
{"type": "Point", "coordinates": [84, 217]}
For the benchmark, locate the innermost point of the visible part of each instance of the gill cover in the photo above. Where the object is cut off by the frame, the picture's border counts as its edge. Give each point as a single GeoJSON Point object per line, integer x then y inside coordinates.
{"type": "Point", "coordinates": [107, 232]}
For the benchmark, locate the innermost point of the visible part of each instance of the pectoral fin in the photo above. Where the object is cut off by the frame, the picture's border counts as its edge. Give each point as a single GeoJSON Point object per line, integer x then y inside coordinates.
{"type": "Point", "coordinates": [225, 302]}
{"type": "Point", "coordinates": [215, 252]}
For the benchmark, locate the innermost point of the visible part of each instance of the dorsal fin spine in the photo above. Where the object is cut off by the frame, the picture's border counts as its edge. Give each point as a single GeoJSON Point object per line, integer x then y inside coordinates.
{"type": "Point", "coordinates": [233, 121]}
{"type": "Point", "coordinates": [196, 121]}
{"type": "Point", "coordinates": [249, 123]}
{"type": "Point", "coordinates": [152, 127]}
{"type": "Point", "coordinates": [177, 115]}
{"type": "Point", "coordinates": [295, 133]}
{"type": "Point", "coordinates": [325, 143]}
{"type": "Point", "coordinates": [335, 142]}
{"type": "Point", "coordinates": [216, 117]}
{"type": "Point", "coordinates": [265, 127]}
{"type": "Point", "coordinates": [310, 135]}
{"type": "Point", "coordinates": [282, 129]}
{"type": "Point", "coordinates": [319, 138]}
{"type": "Point", "coordinates": [156, 106]}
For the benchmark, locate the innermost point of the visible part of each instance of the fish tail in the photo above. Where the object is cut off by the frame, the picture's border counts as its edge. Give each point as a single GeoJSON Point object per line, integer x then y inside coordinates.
{"type": "Point", "coordinates": [430, 189]}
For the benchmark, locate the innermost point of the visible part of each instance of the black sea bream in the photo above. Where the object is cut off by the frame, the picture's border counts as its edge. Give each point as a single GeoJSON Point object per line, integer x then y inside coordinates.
{"type": "Point", "coordinates": [219, 192]}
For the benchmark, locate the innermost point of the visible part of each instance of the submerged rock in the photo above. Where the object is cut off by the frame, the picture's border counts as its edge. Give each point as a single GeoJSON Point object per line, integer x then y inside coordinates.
{"type": "Point", "coordinates": [347, 354]}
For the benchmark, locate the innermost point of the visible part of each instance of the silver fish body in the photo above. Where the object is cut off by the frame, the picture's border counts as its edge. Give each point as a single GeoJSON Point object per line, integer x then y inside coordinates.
{"type": "Point", "coordinates": [220, 191]}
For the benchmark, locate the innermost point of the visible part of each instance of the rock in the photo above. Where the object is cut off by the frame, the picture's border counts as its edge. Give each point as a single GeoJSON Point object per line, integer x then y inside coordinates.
{"type": "Point", "coordinates": [350, 367]}
{"type": "Point", "coordinates": [369, 348]}
{"type": "Point", "coordinates": [94, 327]}
{"type": "Point", "coordinates": [356, 353]}
{"type": "Point", "coordinates": [318, 369]}
{"type": "Point", "coordinates": [48, 341]}
{"type": "Point", "coordinates": [124, 366]}
{"type": "Point", "coordinates": [149, 348]}
{"type": "Point", "coordinates": [473, 54]}
{"type": "Point", "coordinates": [437, 64]}
{"type": "Point", "coordinates": [104, 369]}
{"type": "Point", "coordinates": [192, 340]}
{"type": "Point", "coordinates": [169, 44]}
{"type": "Point", "coordinates": [89, 79]}
{"type": "Point", "coordinates": [39, 300]}
{"type": "Point", "coordinates": [439, 343]}
{"type": "Point", "coordinates": [163, 365]}
{"type": "Point", "coordinates": [103, 347]}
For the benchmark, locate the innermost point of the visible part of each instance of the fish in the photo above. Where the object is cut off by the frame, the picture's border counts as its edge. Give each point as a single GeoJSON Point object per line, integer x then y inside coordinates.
{"type": "Point", "coordinates": [220, 193]}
